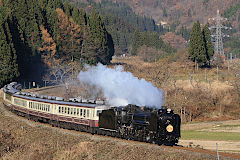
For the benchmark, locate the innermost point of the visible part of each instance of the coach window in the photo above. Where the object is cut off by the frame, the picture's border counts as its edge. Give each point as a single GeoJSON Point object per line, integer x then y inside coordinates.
{"type": "Point", "coordinates": [87, 112]}
{"type": "Point", "coordinates": [71, 111]}
{"type": "Point", "coordinates": [74, 112]}
{"type": "Point", "coordinates": [81, 112]}
{"type": "Point", "coordinates": [68, 110]}
{"type": "Point", "coordinates": [78, 111]}
{"type": "Point", "coordinates": [59, 109]}
{"type": "Point", "coordinates": [98, 111]}
{"type": "Point", "coordinates": [62, 110]}
{"type": "Point", "coordinates": [84, 113]}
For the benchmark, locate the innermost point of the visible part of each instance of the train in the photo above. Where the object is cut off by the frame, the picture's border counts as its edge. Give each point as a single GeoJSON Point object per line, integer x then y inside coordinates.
{"type": "Point", "coordinates": [132, 122]}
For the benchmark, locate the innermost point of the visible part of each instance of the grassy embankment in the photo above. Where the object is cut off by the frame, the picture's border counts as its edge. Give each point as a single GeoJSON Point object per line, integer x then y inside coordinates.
{"type": "Point", "coordinates": [214, 136]}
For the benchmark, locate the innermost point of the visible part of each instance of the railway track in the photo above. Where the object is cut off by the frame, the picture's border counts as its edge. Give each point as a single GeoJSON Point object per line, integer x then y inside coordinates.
{"type": "Point", "coordinates": [118, 140]}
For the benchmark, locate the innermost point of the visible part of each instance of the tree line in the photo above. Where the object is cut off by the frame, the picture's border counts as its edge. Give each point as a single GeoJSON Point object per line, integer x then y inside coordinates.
{"type": "Point", "coordinates": [37, 34]}
{"type": "Point", "coordinates": [201, 49]}
{"type": "Point", "coordinates": [149, 39]}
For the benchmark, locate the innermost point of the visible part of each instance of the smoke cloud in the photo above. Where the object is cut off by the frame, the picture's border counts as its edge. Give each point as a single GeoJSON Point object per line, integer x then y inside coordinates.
{"type": "Point", "coordinates": [121, 88]}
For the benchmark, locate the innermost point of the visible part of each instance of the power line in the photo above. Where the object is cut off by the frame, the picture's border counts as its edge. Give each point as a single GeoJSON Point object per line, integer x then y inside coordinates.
{"type": "Point", "coordinates": [218, 35]}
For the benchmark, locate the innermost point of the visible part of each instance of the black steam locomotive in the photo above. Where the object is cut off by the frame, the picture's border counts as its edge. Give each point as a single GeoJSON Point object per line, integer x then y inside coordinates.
{"type": "Point", "coordinates": [160, 126]}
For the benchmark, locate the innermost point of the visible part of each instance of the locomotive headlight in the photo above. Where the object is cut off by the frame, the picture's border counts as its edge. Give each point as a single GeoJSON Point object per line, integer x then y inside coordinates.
{"type": "Point", "coordinates": [169, 128]}
{"type": "Point", "coordinates": [168, 110]}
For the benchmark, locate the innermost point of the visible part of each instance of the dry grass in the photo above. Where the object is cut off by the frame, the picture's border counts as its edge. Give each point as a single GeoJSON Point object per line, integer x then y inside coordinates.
{"type": "Point", "coordinates": [19, 140]}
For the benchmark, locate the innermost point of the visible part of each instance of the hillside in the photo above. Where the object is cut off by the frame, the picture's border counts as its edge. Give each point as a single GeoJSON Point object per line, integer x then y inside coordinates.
{"type": "Point", "coordinates": [178, 16]}
{"type": "Point", "coordinates": [185, 12]}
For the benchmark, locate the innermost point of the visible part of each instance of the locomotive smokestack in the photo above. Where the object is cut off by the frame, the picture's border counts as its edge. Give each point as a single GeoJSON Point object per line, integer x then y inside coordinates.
{"type": "Point", "coordinates": [120, 87]}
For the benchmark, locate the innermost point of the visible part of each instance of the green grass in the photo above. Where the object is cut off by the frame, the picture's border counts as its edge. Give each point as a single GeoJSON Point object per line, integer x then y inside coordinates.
{"type": "Point", "coordinates": [234, 125]}
{"type": "Point", "coordinates": [214, 136]}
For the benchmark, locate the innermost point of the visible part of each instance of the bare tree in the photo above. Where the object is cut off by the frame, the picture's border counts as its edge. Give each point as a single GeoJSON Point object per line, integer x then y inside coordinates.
{"type": "Point", "coordinates": [236, 80]}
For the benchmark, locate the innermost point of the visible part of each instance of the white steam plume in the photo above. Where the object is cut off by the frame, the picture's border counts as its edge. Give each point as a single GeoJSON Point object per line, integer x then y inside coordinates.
{"type": "Point", "coordinates": [122, 88]}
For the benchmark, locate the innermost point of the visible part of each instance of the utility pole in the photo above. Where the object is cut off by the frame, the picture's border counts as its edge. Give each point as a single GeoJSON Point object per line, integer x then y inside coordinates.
{"type": "Point", "coordinates": [218, 35]}
{"type": "Point", "coordinates": [231, 57]}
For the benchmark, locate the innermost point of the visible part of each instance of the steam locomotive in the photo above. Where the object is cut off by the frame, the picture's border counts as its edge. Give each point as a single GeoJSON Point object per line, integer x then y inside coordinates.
{"type": "Point", "coordinates": [160, 126]}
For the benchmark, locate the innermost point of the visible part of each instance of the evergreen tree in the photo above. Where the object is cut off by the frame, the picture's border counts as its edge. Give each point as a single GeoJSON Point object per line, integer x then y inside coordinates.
{"type": "Point", "coordinates": [8, 57]}
{"type": "Point", "coordinates": [102, 39]}
{"type": "Point", "coordinates": [52, 24]}
{"type": "Point", "coordinates": [197, 51]}
{"type": "Point", "coordinates": [136, 43]}
{"type": "Point", "coordinates": [208, 43]}
{"type": "Point", "coordinates": [67, 8]}
{"type": "Point", "coordinates": [164, 12]}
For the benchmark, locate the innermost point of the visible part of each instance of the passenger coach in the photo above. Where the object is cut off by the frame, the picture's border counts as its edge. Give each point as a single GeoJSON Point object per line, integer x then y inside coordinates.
{"type": "Point", "coordinates": [53, 109]}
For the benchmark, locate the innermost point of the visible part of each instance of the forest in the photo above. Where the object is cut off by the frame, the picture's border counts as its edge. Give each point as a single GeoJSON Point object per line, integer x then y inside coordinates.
{"type": "Point", "coordinates": [36, 39]}
{"type": "Point", "coordinates": [122, 23]}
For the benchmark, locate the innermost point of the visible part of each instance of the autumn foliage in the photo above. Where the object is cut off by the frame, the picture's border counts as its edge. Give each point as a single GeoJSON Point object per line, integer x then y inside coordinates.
{"type": "Point", "coordinates": [48, 48]}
